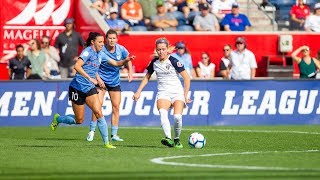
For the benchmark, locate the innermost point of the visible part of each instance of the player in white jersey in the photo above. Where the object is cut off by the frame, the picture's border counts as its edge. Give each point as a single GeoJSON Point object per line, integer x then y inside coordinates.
{"type": "Point", "coordinates": [171, 93]}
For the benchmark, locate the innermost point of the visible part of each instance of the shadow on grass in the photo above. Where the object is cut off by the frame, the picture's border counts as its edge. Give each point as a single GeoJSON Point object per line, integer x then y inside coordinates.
{"type": "Point", "coordinates": [39, 146]}
{"type": "Point", "coordinates": [136, 146]}
{"type": "Point", "coordinates": [179, 174]}
{"type": "Point", "coordinates": [57, 139]}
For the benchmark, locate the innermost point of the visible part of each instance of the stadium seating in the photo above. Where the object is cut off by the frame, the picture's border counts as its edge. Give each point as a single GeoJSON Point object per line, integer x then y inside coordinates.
{"type": "Point", "coordinates": [283, 10]}
{"type": "Point", "coordinates": [139, 28]}
{"type": "Point", "coordinates": [185, 28]}
{"type": "Point", "coordinates": [180, 17]}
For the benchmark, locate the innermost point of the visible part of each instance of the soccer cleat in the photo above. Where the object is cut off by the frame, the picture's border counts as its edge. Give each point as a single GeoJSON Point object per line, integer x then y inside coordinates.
{"type": "Point", "coordinates": [109, 146]}
{"type": "Point", "coordinates": [55, 123]}
{"type": "Point", "coordinates": [90, 136]}
{"type": "Point", "coordinates": [177, 143]}
{"type": "Point", "coordinates": [116, 138]}
{"type": "Point", "coordinates": [167, 142]}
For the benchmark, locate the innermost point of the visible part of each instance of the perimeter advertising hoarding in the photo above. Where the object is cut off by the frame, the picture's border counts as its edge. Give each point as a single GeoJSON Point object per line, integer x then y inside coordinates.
{"type": "Point", "coordinates": [267, 102]}
{"type": "Point", "coordinates": [24, 20]}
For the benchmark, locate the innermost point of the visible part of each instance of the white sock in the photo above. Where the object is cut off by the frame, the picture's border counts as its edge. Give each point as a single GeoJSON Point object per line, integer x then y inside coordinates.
{"type": "Point", "coordinates": [177, 125]}
{"type": "Point", "coordinates": [165, 123]}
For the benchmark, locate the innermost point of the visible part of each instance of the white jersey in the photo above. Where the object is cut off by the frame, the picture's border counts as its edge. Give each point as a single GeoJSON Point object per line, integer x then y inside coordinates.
{"type": "Point", "coordinates": [167, 74]}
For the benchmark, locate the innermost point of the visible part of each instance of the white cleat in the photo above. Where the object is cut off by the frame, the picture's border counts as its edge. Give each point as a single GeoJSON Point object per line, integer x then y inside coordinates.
{"type": "Point", "coordinates": [90, 136]}
{"type": "Point", "coordinates": [116, 138]}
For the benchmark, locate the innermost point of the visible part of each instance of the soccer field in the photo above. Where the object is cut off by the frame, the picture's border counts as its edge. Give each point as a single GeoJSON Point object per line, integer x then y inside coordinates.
{"type": "Point", "coordinates": [231, 152]}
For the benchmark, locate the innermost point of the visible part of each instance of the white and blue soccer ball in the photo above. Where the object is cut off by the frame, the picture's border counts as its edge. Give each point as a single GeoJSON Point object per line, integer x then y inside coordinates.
{"type": "Point", "coordinates": [196, 140]}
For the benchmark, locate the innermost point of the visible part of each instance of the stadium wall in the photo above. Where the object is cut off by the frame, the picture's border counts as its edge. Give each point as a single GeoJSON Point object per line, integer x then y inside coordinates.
{"type": "Point", "coordinates": [256, 102]}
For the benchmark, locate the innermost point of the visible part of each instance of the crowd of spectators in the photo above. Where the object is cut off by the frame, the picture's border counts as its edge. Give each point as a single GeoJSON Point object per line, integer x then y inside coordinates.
{"type": "Point", "coordinates": [38, 59]}
{"type": "Point", "coordinates": [194, 15]}
{"type": "Point", "coordinates": [172, 15]}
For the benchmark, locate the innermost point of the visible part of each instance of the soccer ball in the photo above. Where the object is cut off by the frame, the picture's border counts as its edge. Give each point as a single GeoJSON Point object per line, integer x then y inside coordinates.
{"type": "Point", "coordinates": [197, 140]}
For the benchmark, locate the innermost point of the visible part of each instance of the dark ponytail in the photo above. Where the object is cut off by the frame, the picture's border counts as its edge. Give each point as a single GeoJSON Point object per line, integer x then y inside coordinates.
{"type": "Point", "coordinates": [92, 36]}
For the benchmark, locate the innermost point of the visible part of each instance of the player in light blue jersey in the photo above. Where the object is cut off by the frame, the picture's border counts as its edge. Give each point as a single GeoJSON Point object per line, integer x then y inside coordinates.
{"type": "Point", "coordinates": [82, 88]}
{"type": "Point", "coordinates": [110, 79]}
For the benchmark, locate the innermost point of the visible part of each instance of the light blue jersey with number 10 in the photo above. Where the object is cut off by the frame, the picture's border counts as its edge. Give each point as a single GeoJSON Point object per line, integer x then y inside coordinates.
{"type": "Point", "coordinates": [92, 60]}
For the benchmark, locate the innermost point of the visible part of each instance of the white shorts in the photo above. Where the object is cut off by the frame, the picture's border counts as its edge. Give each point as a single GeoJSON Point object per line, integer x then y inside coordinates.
{"type": "Point", "coordinates": [172, 97]}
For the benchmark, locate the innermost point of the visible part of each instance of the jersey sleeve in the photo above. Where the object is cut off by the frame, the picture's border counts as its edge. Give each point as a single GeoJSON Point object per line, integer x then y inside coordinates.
{"type": "Point", "coordinates": [177, 64]}
{"type": "Point", "coordinates": [150, 69]}
{"type": "Point", "coordinates": [124, 52]}
{"type": "Point", "coordinates": [85, 55]}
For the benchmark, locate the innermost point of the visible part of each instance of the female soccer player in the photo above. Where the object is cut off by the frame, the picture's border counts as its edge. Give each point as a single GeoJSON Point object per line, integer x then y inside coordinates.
{"type": "Point", "coordinates": [82, 88]}
{"type": "Point", "coordinates": [170, 90]}
{"type": "Point", "coordinates": [110, 81]}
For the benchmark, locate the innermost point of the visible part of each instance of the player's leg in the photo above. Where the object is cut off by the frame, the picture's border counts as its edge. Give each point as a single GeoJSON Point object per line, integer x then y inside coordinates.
{"type": "Point", "coordinates": [163, 106]}
{"type": "Point", "coordinates": [69, 119]}
{"type": "Point", "coordinates": [78, 99]}
{"type": "Point", "coordinates": [94, 104]}
{"type": "Point", "coordinates": [93, 122]}
{"type": "Point", "coordinates": [115, 97]}
{"type": "Point", "coordinates": [178, 106]}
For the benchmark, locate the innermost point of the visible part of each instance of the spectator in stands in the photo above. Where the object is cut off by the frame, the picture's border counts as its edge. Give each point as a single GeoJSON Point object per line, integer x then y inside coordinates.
{"type": "Point", "coordinates": [299, 13]}
{"type": "Point", "coordinates": [307, 65]}
{"type": "Point", "coordinates": [243, 62]}
{"type": "Point", "coordinates": [205, 21]}
{"type": "Point", "coordinates": [111, 4]}
{"type": "Point", "coordinates": [148, 9]}
{"type": "Point", "coordinates": [222, 7]}
{"type": "Point", "coordinates": [205, 68]}
{"type": "Point", "coordinates": [184, 57]}
{"type": "Point", "coordinates": [116, 24]}
{"type": "Point", "coordinates": [19, 66]}
{"type": "Point", "coordinates": [163, 21]}
{"type": "Point", "coordinates": [52, 58]}
{"type": "Point", "coordinates": [225, 62]}
{"type": "Point", "coordinates": [313, 21]}
{"type": "Point", "coordinates": [103, 6]}
{"type": "Point", "coordinates": [37, 58]}
{"type": "Point", "coordinates": [131, 13]}
{"type": "Point", "coordinates": [235, 21]}
{"type": "Point", "coordinates": [186, 6]}
{"type": "Point", "coordinates": [99, 5]}
{"type": "Point", "coordinates": [68, 43]}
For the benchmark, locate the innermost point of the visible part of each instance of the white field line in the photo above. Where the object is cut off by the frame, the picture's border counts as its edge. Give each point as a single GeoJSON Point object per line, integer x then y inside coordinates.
{"type": "Point", "coordinates": [161, 160]}
{"type": "Point", "coordinates": [231, 130]}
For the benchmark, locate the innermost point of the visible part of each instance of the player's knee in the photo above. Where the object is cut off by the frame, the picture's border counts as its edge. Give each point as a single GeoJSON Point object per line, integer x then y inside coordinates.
{"type": "Point", "coordinates": [115, 108]}
{"type": "Point", "coordinates": [97, 112]}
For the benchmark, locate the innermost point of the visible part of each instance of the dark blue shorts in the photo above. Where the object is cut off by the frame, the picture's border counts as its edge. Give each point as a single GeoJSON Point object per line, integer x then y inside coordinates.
{"type": "Point", "coordinates": [79, 97]}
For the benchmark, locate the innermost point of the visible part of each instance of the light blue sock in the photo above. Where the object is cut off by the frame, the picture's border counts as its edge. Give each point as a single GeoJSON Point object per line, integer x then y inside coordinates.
{"type": "Point", "coordinates": [68, 119]}
{"type": "Point", "coordinates": [93, 125]}
{"type": "Point", "coordinates": [114, 130]}
{"type": "Point", "coordinates": [103, 128]}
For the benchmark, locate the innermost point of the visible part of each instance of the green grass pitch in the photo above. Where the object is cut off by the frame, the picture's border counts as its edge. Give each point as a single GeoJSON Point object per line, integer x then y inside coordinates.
{"type": "Point", "coordinates": [231, 152]}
